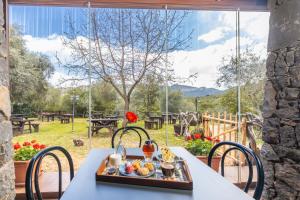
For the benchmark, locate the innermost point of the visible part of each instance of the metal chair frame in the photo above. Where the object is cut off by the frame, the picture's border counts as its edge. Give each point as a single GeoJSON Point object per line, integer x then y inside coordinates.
{"type": "Point", "coordinates": [34, 166]}
{"type": "Point", "coordinates": [246, 152]}
{"type": "Point", "coordinates": [124, 130]}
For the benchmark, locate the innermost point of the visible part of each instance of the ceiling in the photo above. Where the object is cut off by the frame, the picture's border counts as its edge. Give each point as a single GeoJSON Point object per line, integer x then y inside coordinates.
{"type": "Point", "coordinates": [244, 5]}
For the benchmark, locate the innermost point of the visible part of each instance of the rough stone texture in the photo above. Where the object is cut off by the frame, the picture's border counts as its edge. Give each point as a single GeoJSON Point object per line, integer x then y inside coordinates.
{"type": "Point", "coordinates": [7, 175]}
{"type": "Point", "coordinates": [281, 131]}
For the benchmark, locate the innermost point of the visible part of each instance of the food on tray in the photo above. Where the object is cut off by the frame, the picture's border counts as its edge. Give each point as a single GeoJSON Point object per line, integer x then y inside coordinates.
{"type": "Point", "coordinates": [128, 168]}
{"type": "Point", "coordinates": [149, 165]}
{"type": "Point", "coordinates": [167, 154]}
{"type": "Point", "coordinates": [111, 171]}
{"type": "Point", "coordinates": [143, 171]}
{"type": "Point", "coordinates": [136, 164]}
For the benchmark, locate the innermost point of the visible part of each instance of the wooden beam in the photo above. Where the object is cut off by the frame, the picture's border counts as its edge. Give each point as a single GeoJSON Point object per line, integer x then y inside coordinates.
{"type": "Point", "coordinates": [243, 5]}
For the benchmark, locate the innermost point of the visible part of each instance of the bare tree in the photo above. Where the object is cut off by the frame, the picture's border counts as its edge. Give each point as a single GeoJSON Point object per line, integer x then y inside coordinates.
{"type": "Point", "coordinates": [126, 44]}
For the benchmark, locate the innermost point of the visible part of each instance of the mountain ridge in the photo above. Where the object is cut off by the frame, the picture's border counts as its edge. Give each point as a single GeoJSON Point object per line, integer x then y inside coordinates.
{"type": "Point", "coordinates": [191, 91]}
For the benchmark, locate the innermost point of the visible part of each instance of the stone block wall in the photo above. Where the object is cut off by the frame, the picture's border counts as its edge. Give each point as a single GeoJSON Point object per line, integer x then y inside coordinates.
{"type": "Point", "coordinates": [281, 131]}
{"type": "Point", "coordinates": [6, 164]}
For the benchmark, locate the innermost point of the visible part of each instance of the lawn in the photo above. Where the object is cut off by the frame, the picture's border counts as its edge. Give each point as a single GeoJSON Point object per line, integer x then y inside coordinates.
{"type": "Point", "coordinates": [55, 133]}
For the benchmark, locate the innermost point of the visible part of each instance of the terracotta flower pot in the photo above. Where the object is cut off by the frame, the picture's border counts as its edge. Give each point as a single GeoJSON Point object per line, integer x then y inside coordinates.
{"type": "Point", "coordinates": [215, 162]}
{"type": "Point", "coordinates": [20, 172]}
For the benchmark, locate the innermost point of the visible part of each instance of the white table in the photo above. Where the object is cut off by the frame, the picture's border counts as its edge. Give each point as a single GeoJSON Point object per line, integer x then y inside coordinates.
{"type": "Point", "coordinates": [207, 184]}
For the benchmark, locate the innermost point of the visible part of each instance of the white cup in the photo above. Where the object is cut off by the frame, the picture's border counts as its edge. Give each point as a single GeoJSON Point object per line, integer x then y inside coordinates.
{"type": "Point", "coordinates": [115, 160]}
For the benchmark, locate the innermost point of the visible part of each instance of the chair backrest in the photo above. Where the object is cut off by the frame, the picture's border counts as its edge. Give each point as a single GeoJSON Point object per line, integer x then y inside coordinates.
{"type": "Point", "coordinates": [32, 173]}
{"type": "Point", "coordinates": [127, 129]}
{"type": "Point", "coordinates": [249, 156]}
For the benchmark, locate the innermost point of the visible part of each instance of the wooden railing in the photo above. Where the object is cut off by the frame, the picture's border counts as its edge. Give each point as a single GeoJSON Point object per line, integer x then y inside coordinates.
{"type": "Point", "coordinates": [224, 127]}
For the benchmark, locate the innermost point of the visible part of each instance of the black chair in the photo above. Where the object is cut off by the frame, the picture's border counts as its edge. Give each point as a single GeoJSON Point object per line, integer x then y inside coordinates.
{"type": "Point", "coordinates": [33, 170]}
{"type": "Point", "coordinates": [125, 130]}
{"type": "Point", "coordinates": [248, 153]}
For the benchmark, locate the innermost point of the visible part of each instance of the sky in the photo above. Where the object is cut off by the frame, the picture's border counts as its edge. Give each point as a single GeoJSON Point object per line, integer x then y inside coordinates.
{"type": "Point", "coordinates": [213, 37]}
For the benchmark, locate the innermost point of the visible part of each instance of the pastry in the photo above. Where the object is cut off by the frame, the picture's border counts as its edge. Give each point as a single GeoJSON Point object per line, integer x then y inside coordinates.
{"type": "Point", "coordinates": [136, 164]}
{"type": "Point", "coordinates": [143, 171]}
{"type": "Point", "coordinates": [149, 166]}
{"type": "Point", "coordinates": [167, 154]}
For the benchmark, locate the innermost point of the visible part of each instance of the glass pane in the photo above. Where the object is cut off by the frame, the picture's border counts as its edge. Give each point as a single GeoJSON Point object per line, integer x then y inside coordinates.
{"type": "Point", "coordinates": [43, 87]}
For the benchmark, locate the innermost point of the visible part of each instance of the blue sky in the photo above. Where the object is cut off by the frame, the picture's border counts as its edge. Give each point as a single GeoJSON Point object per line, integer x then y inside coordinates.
{"type": "Point", "coordinates": [213, 37]}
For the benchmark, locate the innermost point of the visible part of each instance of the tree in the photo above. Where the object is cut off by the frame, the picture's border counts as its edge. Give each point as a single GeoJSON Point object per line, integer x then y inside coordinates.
{"type": "Point", "coordinates": [175, 101]}
{"type": "Point", "coordinates": [252, 78]}
{"type": "Point", "coordinates": [28, 75]}
{"type": "Point", "coordinates": [104, 98]}
{"type": "Point", "coordinates": [146, 98]}
{"type": "Point", "coordinates": [127, 44]}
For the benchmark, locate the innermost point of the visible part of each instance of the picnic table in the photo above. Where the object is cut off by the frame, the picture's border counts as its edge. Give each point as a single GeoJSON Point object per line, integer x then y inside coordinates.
{"type": "Point", "coordinates": [157, 120]}
{"type": "Point", "coordinates": [207, 184]}
{"type": "Point", "coordinates": [110, 123]}
{"type": "Point", "coordinates": [49, 116]}
{"type": "Point", "coordinates": [65, 118]}
{"type": "Point", "coordinates": [172, 117]}
{"type": "Point", "coordinates": [19, 124]}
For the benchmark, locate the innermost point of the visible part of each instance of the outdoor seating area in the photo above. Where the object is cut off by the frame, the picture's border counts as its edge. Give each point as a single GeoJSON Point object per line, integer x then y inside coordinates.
{"type": "Point", "coordinates": [155, 100]}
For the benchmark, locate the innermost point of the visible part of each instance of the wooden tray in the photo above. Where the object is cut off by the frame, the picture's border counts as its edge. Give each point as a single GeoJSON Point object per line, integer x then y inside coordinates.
{"type": "Point", "coordinates": [183, 182]}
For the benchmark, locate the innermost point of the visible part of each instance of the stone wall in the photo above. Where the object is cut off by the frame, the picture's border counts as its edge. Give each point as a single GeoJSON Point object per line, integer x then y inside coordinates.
{"type": "Point", "coordinates": [6, 163]}
{"type": "Point", "coordinates": [281, 131]}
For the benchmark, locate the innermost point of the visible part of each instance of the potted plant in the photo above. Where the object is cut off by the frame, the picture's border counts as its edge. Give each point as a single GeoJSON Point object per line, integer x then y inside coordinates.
{"type": "Point", "coordinates": [22, 156]}
{"type": "Point", "coordinates": [201, 148]}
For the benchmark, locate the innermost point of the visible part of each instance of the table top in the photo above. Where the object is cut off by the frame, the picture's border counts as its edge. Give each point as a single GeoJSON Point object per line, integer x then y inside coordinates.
{"type": "Point", "coordinates": [207, 184]}
{"type": "Point", "coordinates": [104, 120]}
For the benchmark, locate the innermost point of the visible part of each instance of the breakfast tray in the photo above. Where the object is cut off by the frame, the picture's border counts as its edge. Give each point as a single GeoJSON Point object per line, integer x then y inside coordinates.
{"type": "Point", "coordinates": [182, 180]}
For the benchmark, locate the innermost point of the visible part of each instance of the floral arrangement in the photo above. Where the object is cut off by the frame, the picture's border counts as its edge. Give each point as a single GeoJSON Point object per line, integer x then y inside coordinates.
{"type": "Point", "coordinates": [131, 117]}
{"type": "Point", "coordinates": [199, 147]}
{"type": "Point", "coordinates": [199, 144]}
{"type": "Point", "coordinates": [27, 150]}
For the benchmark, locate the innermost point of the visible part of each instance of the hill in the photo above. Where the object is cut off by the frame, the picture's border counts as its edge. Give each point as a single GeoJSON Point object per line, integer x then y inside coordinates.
{"type": "Point", "coordinates": [190, 91]}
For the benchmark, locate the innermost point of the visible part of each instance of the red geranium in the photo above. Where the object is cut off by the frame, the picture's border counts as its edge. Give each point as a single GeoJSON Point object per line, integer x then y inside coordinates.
{"type": "Point", "coordinates": [36, 146]}
{"type": "Point", "coordinates": [197, 136]}
{"type": "Point", "coordinates": [17, 146]}
{"type": "Point", "coordinates": [189, 137]}
{"type": "Point", "coordinates": [131, 117]}
{"type": "Point", "coordinates": [25, 144]}
{"type": "Point", "coordinates": [42, 146]}
{"type": "Point", "coordinates": [217, 140]}
{"type": "Point", "coordinates": [209, 138]}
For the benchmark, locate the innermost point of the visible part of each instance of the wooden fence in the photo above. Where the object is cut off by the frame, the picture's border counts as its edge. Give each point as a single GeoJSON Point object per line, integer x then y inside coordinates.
{"type": "Point", "coordinates": [224, 127]}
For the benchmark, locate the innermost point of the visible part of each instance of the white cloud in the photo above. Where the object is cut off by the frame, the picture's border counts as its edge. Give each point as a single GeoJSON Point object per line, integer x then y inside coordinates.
{"type": "Point", "coordinates": [204, 61]}
{"type": "Point", "coordinates": [214, 35]}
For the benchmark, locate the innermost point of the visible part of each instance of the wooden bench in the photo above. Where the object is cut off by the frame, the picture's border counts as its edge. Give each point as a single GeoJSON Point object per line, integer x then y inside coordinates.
{"type": "Point", "coordinates": [97, 128]}
{"type": "Point", "coordinates": [48, 182]}
{"type": "Point", "coordinates": [149, 124]}
{"type": "Point", "coordinates": [35, 126]}
{"type": "Point", "coordinates": [64, 120]}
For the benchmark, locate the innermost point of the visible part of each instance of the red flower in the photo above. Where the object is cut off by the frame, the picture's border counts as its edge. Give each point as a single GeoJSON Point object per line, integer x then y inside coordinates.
{"type": "Point", "coordinates": [197, 136]}
{"type": "Point", "coordinates": [25, 144]}
{"type": "Point", "coordinates": [189, 137]}
{"type": "Point", "coordinates": [42, 146]}
{"type": "Point", "coordinates": [17, 146]}
{"type": "Point", "coordinates": [36, 146]}
{"type": "Point", "coordinates": [33, 141]}
{"type": "Point", "coordinates": [131, 117]}
{"type": "Point", "coordinates": [209, 138]}
{"type": "Point", "coordinates": [217, 140]}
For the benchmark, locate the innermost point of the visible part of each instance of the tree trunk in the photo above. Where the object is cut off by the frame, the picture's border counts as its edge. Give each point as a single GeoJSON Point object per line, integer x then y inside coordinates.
{"type": "Point", "coordinates": [126, 109]}
{"type": "Point", "coordinates": [281, 129]}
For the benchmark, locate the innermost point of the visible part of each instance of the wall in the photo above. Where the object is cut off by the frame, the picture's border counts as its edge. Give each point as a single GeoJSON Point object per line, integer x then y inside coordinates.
{"type": "Point", "coordinates": [281, 131]}
{"type": "Point", "coordinates": [6, 164]}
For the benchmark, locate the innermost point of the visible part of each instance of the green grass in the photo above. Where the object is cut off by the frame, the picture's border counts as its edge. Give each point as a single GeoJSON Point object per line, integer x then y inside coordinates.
{"type": "Point", "coordinates": [55, 133]}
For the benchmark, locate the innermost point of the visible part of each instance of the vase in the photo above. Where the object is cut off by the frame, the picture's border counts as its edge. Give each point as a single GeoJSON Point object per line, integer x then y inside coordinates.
{"type": "Point", "coordinates": [215, 162]}
{"type": "Point", "coordinates": [20, 172]}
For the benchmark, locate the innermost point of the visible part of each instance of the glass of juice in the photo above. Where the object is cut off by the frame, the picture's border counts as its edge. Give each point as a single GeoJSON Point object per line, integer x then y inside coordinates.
{"type": "Point", "coordinates": [148, 150]}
